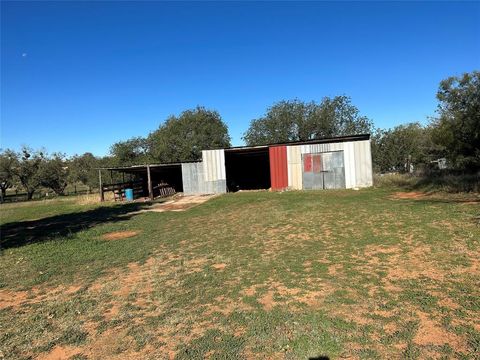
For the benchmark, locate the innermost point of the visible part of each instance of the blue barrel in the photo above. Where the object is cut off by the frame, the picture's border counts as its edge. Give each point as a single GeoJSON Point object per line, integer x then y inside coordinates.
{"type": "Point", "coordinates": [129, 194]}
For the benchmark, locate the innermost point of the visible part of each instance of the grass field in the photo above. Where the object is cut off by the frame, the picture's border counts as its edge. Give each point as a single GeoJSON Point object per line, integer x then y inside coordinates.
{"type": "Point", "coordinates": [340, 274]}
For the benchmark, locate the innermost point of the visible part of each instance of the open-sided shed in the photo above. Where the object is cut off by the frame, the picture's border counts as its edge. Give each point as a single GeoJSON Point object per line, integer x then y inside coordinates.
{"type": "Point", "coordinates": [146, 180]}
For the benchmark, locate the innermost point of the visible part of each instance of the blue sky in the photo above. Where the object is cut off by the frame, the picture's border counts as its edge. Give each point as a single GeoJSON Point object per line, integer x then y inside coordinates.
{"type": "Point", "coordinates": [79, 76]}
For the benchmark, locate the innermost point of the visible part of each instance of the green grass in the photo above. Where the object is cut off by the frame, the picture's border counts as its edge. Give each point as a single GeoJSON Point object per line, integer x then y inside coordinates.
{"type": "Point", "coordinates": [307, 274]}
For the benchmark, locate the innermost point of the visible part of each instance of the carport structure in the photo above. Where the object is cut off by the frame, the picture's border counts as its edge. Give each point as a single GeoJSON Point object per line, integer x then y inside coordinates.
{"type": "Point", "coordinates": [148, 181]}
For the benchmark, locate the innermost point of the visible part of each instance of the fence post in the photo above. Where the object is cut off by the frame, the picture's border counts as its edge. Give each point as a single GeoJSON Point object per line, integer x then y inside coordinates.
{"type": "Point", "coordinates": [150, 189]}
{"type": "Point", "coordinates": [100, 185]}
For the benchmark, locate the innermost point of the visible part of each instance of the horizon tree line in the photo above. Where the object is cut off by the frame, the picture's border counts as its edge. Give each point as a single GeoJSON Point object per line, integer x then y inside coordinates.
{"type": "Point", "coordinates": [454, 134]}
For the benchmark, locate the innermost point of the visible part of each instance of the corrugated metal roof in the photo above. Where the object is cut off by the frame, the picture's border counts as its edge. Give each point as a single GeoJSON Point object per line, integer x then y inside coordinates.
{"type": "Point", "coordinates": [324, 140]}
{"type": "Point", "coordinates": [144, 166]}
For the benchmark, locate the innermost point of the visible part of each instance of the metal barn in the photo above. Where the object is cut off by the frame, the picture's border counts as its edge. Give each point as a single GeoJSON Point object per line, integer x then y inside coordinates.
{"type": "Point", "coordinates": [330, 163]}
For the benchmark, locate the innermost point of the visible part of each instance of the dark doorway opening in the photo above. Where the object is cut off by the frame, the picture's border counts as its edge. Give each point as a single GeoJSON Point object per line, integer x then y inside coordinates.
{"type": "Point", "coordinates": [247, 169]}
{"type": "Point", "coordinates": [167, 174]}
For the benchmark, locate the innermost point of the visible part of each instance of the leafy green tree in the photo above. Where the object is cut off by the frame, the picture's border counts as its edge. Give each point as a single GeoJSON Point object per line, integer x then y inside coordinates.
{"type": "Point", "coordinates": [53, 173]}
{"type": "Point", "coordinates": [457, 129]}
{"type": "Point", "coordinates": [8, 160]}
{"type": "Point", "coordinates": [393, 149]}
{"type": "Point", "coordinates": [82, 168]}
{"type": "Point", "coordinates": [183, 138]}
{"type": "Point", "coordinates": [295, 120]}
{"type": "Point", "coordinates": [27, 170]}
{"type": "Point", "coordinates": [130, 152]}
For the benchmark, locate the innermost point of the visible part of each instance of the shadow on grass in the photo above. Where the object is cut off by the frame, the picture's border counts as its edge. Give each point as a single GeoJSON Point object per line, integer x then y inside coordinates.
{"type": "Point", "coordinates": [20, 233]}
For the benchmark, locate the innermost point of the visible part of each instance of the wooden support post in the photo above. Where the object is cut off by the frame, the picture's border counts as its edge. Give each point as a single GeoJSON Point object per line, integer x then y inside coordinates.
{"type": "Point", "coordinates": [102, 198]}
{"type": "Point", "coordinates": [150, 188]}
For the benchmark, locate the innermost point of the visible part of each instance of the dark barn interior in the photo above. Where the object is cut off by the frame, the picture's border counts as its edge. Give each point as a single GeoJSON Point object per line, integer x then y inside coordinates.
{"type": "Point", "coordinates": [247, 169]}
{"type": "Point", "coordinates": [167, 174]}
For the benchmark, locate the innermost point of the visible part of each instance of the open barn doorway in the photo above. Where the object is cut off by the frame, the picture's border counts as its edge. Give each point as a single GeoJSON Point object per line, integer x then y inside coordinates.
{"type": "Point", "coordinates": [247, 168]}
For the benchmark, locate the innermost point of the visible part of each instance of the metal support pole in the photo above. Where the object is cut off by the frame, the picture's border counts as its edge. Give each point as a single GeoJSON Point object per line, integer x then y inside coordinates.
{"type": "Point", "coordinates": [150, 188]}
{"type": "Point", "coordinates": [100, 185]}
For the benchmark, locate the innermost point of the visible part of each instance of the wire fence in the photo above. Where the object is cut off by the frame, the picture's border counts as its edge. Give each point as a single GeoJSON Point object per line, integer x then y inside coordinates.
{"type": "Point", "coordinates": [43, 194]}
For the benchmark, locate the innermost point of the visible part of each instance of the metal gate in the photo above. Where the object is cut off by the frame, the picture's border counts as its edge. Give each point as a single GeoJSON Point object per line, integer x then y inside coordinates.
{"type": "Point", "coordinates": [323, 170]}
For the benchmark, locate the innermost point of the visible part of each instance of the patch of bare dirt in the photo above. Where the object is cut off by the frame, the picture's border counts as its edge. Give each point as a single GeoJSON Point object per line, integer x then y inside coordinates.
{"type": "Point", "coordinates": [219, 266]}
{"type": "Point", "coordinates": [333, 269]}
{"type": "Point", "coordinates": [408, 195]}
{"type": "Point", "coordinates": [307, 265]}
{"type": "Point", "coordinates": [116, 235]}
{"type": "Point", "coordinates": [267, 300]}
{"type": "Point", "coordinates": [299, 236]}
{"type": "Point", "coordinates": [60, 353]}
{"type": "Point", "coordinates": [12, 298]}
{"type": "Point", "coordinates": [181, 203]}
{"type": "Point", "coordinates": [250, 291]}
{"type": "Point", "coordinates": [430, 333]}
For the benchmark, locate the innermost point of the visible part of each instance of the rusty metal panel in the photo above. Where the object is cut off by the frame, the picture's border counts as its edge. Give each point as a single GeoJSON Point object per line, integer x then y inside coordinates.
{"type": "Point", "coordinates": [307, 163]}
{"type": "Point", "coordinates": [213, 165]}
{"type": "Point", "coordinates": [278, 167]}
{"type": "Point", "coordinates": [294, 163]}
{"type": "Point", "coordinates": [323, 170]}
{"type": "Point", "coordinates": [316, 163]}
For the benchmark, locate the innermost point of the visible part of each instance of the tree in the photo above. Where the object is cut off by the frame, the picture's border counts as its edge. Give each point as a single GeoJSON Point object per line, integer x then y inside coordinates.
{"type": "Point", "coordinates": [183, 138]}
{"type": "Point", "coordinates": [130, 152]}
{"type": "Point", "coordinates": [8, 160]}
{"type": "Point", "coordinates": [82, 168]}
{"type": "Point", "coordinates": [53, 173]}
{"type": "Point", "coordinates": [457, 129]}
{"type": "Point", "coordinates": [295, 120]}
{"type": "Point", "coordinates": [27, 170]}
{"type": "Point", "coordinates": [393, 149]}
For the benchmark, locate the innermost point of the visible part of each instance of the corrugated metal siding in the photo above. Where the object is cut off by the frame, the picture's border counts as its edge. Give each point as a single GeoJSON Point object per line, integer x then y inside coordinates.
{"type": "Point", "coordinates": [349, 154]}
{"type": "Point", "coordinates": [294, 167]}
{"type": "Point", "coordinates": [213, 165]}
{"type": "Point", "coordinates": [320, 148]}
{"type": "Point", "coordinates": [194, 181]}
{"type": "Point", "coordinates": [357, 161]}
{"type": "Point", "coordinates": [278, 167]}
{"type": "Point", "coordinates": [363, 164]}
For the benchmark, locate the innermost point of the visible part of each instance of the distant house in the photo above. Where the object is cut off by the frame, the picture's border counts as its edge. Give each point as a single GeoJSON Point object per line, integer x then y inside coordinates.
{"type": "Point", "coordinates": [441, 163]}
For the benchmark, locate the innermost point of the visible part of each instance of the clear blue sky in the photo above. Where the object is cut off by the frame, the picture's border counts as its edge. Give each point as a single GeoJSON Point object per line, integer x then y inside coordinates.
{"type": "Point", "coordinates": [79, 76]}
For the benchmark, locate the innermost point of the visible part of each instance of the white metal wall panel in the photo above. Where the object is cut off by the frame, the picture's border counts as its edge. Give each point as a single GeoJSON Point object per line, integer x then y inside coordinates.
{"type": "Point", "coordinates": [320, 148]}
{"type": "Point", "coordinates": [349, 154]}
{"type": "Point", "coordinates": [214, 165]}
{"type": "Point", "coordinates": [363, 164]}
{"type": "Point", "coordinates": [294, 167]}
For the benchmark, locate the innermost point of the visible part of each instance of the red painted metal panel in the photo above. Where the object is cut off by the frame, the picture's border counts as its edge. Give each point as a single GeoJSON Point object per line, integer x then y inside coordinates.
{"type": "Point", "coordinates": [317, 165]}
{"type": "Point", "coordinates": [307, 163]}
{"type": "Point", "coordinates": [278, 167]}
